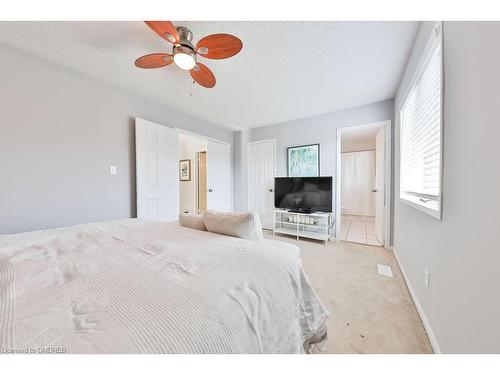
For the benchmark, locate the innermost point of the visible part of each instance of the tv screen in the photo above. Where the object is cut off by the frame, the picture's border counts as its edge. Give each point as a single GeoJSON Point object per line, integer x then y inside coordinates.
{"type": "Point", "coordinates": [306, 194]}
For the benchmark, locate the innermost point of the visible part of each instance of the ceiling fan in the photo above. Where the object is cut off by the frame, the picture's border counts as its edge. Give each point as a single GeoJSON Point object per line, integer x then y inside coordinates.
{"type": "Point", "coordinates": [184, 53]}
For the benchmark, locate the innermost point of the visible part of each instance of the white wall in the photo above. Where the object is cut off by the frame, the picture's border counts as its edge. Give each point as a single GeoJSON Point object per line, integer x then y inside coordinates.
{"type": "Point", "coordinates": [188, 146]}
{"type": "Point", "coordinates": [59, 133]}
{"type": "Point", "coordinates": [461, 251]}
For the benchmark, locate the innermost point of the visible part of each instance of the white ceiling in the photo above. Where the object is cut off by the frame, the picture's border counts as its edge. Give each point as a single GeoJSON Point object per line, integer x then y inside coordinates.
{"type": "Point", "coordinates": [286, 70]}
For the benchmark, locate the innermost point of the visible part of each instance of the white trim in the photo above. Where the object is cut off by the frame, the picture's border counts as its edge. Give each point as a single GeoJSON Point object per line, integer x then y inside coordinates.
{"type": "Point", "coordinates": [387, 125]}
{"type": "Point", "coordinates": [273, 140]}
{"type": "Point", "coordinates": [420, 310]}
{"type": "Point", "coordinates": [388, 184]}
{"type": "Point", "coordinates": [338, 184]}
{"type": "Point", "coordinates": [435, 214]}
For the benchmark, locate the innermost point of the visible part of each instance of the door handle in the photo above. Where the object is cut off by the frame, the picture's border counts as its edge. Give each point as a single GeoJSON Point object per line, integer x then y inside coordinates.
{"type": "Point", "coordinates": [374, 190]}
{"type": "Point", "coordinates": [270, 190]}
{"type": "Point", "coordinates": [210, 190]}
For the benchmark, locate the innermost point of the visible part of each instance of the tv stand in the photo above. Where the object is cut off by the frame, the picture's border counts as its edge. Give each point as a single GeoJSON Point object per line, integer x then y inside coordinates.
{"type": "Point", "coordinates": [315, 225]}
{"type": "Point", "coordinates": [301, 211]}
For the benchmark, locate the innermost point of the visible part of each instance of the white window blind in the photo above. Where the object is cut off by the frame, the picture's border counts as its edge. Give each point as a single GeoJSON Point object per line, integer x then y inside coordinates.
{"type": "Point", "coordinates": [420, 134]}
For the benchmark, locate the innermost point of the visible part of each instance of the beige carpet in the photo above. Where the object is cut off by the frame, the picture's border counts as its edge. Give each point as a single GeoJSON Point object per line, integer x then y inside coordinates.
{"type": "Point", "coordinates": [369, 313]}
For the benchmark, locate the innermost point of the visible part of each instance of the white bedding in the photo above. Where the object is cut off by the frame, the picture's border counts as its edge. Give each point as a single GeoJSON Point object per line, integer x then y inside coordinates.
{"type": "Point", "coordinates": [137, 286]}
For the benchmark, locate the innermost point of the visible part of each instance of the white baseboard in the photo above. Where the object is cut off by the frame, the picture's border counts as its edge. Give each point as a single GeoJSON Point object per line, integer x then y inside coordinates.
{"type": "Point", "coordinates": [421, 313]}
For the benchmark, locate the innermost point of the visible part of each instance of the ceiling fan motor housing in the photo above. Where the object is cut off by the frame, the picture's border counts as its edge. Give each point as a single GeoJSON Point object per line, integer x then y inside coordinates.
{"type": "Point", "coordinates": [185, 46]}
{"type": "Point", "coordinates": [185, 37]}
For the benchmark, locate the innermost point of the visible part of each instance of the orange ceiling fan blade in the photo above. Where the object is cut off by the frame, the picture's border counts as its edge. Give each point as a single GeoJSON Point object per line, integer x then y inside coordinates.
{"type": "Point", "coordinates": [154, 60]}
{"type": "Point", "coordinates": [203, 76]}
{"type": "Point", "coordinates": [219, 46]}
{"type": "Point", "coordinates": [165, 29]}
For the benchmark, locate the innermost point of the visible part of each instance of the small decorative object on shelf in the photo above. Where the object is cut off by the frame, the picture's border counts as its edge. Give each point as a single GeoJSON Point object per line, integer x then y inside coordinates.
{"type": "Point", "coordinates": [318, 225]}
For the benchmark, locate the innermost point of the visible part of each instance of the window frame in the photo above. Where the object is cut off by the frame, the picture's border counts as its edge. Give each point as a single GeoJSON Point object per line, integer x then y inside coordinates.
{"type": "Point", "coordinates": [435, 37]}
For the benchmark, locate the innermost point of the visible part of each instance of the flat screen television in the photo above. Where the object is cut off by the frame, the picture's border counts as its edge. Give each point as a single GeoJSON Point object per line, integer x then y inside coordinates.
{"type": "Point", "coordinates": [303, 194]}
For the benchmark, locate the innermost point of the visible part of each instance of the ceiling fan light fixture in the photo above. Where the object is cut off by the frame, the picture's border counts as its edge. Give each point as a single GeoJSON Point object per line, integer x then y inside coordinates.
{"type": "Point", "coordinates": [184, 58]}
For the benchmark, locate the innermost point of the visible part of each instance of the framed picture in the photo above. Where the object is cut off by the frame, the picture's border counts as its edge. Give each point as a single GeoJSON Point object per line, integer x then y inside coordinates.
{"type": "Point", "coordinates": [185, 170]}
{"type": "Point", "coordinates": [303, 161]}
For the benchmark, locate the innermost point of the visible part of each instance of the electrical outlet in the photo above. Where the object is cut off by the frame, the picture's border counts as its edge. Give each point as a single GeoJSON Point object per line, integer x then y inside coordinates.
{"type": "Point", "coordinates": [426, 278]}
{"type": "Point", "coordinates": [112, 169]}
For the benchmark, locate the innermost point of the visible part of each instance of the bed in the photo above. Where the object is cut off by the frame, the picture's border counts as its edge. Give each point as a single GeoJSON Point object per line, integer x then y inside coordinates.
{"type": "Point", "coordinates": [140, 286]}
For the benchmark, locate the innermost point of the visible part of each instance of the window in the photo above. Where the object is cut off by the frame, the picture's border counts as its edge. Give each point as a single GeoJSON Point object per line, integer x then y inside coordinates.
{"type": "Point", "coordinates": [421, 134]}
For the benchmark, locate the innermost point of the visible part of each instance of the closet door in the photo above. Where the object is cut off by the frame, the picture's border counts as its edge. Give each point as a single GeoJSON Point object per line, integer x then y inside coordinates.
{"type": "Point", "coordinates": [260, 180]}
{"type": "Point", "coordinates": [358, 181]}
{"type": "Point", "coordinates": [219, 194]}
{"type": "Point", "coordinates": [157, 179]}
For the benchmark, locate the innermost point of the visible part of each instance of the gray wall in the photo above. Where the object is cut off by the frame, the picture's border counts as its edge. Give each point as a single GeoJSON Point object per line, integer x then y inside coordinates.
{"type": "Point", "coordinates": [318, 129]}
{"type": "Point", "coordinates": [59, 133]}
{"type": "Point", "coordinates": [461, 251]}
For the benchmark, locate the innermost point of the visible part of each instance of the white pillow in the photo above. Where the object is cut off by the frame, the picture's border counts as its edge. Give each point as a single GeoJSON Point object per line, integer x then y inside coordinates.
{"type": "Point", "coordinates": [192, 221]}
{"type": "Point", "coordinates": [240, 225]}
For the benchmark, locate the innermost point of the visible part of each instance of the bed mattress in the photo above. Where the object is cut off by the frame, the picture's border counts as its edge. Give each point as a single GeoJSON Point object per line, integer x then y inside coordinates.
{"type": "Point", "coordinates": [140, 286]}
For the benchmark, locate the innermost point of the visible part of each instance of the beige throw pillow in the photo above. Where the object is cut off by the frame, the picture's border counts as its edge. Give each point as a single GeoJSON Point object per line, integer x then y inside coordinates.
{"type": "Point", "coordinates": [192, 221]}
{"type": "Point", "coordinates": [240, 225]}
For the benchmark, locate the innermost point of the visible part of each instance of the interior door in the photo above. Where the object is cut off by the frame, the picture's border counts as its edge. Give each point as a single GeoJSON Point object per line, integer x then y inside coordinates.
{"type": "Point", "coordinates": [219, 194]}
{"type": "Point", "coordinates": [380, 185]}
{"type": "Point", "coordinates": [157, 180]}
{"type": "Point", "coordinates": [260, 180]}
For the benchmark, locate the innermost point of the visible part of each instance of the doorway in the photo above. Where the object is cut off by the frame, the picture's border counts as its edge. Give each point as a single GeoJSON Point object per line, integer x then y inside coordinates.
{"type": "Point", "coordinates": [166, 172]}
{"type": "Point", "coordinates": [208, 185]}
{"type": "Point", "coordinates": [363, 184]}
{"type": "Point", "coordinates": [201, 173]}
{"type": "Point", "coordinates": [190, 146]}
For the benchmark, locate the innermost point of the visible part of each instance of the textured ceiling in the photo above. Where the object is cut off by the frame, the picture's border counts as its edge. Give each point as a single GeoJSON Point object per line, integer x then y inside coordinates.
{"type": "Point", "coordinates": [286, 70]}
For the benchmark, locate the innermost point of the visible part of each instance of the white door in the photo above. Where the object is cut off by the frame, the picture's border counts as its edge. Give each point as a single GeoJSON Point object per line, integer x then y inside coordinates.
{"type": "Point", "coordinates": [219, 195]}
{"type": "Point", "coordinates": [358, 183]}
{"type": "Point", "coordinates": [260, 180]}
{"type": "Point", "coordinates": [380, 185]}
{"type": "Point", "coordinates": [157, 180]}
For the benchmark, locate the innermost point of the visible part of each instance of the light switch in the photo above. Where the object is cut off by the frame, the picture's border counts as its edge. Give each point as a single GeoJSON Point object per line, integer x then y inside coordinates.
{"type": "Point", "coordinates": [112, 169]}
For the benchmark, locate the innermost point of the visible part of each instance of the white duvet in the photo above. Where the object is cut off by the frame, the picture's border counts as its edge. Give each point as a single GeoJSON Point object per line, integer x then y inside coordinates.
{"type": "Point", "coordinates": [137, 286]}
